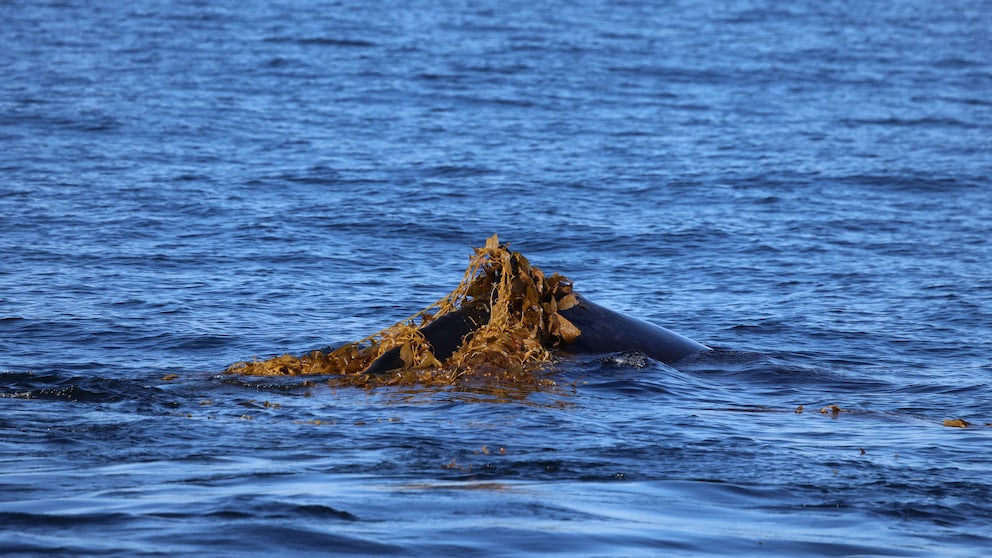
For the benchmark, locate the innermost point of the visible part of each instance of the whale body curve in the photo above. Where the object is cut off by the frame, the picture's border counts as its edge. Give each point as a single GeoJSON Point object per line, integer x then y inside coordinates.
{"type": "Point", "coordinates": [601, 331]}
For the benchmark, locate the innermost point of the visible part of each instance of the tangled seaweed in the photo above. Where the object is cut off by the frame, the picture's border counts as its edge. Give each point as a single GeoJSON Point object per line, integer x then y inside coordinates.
{"type": "Point", "coordinates": [511, 347]}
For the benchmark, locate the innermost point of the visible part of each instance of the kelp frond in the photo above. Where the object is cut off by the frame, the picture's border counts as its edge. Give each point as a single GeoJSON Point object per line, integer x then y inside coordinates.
{"type": "Point", "coordinates": [511, 347]}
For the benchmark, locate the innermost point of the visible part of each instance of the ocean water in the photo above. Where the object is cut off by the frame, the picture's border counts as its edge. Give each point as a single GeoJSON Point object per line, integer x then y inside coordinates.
{"type": "Point", "coordinates": [804, 186]}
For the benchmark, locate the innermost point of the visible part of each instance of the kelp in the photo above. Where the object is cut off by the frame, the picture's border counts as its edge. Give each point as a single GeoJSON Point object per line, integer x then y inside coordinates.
{"type": "Point", "coordinates": [512, 347]}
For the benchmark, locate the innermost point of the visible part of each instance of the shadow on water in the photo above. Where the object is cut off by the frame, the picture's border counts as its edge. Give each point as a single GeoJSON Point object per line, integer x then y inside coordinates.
{"type": "Point", "coordinates": [705, 375]}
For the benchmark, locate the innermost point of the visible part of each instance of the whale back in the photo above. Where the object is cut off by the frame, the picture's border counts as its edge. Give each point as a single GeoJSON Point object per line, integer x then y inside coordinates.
{"type": "Point", "coordinates": [606, 331]}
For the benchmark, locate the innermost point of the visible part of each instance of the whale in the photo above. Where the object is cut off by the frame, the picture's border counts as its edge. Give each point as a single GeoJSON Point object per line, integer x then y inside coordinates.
{"type": "Point", "coordinates": [601, 330]}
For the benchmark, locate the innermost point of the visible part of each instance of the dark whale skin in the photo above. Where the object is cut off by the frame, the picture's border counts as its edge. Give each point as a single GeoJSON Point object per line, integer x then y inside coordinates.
{"type": "Point", "coordinates": [601, 331]}
{"type": "Point", "coordinates": [606, 331]}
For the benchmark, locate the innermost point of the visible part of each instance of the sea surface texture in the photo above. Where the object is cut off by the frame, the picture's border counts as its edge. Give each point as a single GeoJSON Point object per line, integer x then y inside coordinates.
{"type": "Point", "coordinates": [804, 186]}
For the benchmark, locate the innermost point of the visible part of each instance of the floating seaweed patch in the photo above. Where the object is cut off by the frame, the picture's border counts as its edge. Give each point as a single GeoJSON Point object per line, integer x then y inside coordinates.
{"type": "Point", "coordinates": [511, 316]}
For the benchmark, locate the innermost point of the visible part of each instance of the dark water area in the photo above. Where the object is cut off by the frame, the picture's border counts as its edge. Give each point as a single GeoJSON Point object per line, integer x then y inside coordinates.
{"type": "Point", "coordinates": [804, 186]}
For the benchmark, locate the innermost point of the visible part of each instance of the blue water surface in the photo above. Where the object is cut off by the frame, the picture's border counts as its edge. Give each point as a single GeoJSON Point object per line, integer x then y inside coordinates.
{"type": "Point", "coordinates": [804, 186]}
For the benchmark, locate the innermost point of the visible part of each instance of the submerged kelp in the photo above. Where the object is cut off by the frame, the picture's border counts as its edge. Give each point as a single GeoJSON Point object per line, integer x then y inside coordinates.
{"type": "Point", "coordinates": [512, 345]}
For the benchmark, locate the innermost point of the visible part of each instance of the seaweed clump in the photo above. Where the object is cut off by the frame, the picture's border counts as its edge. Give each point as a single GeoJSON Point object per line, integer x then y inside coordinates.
{"type": "Point", "coordinates": [512, 347]}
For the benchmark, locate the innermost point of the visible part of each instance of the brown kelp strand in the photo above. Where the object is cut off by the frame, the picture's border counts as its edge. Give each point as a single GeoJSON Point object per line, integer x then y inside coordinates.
{"type": "Point", "coordinates": [511, 347]}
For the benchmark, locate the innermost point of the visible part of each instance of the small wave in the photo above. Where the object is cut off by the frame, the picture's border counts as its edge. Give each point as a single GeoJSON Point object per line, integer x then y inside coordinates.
{"type": "Point", "coordinates": [323, 41]}
{"type": "Point", "coordinates": [908, 122]}
{"type": "Point", "coordinates": [910, 182]}
{"type": "Point", "coordinates": [278, 384]}
{"type": "Point", "coordinates": [58, 387]}
{"type": "Point", "coordinates": [258, 535]}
